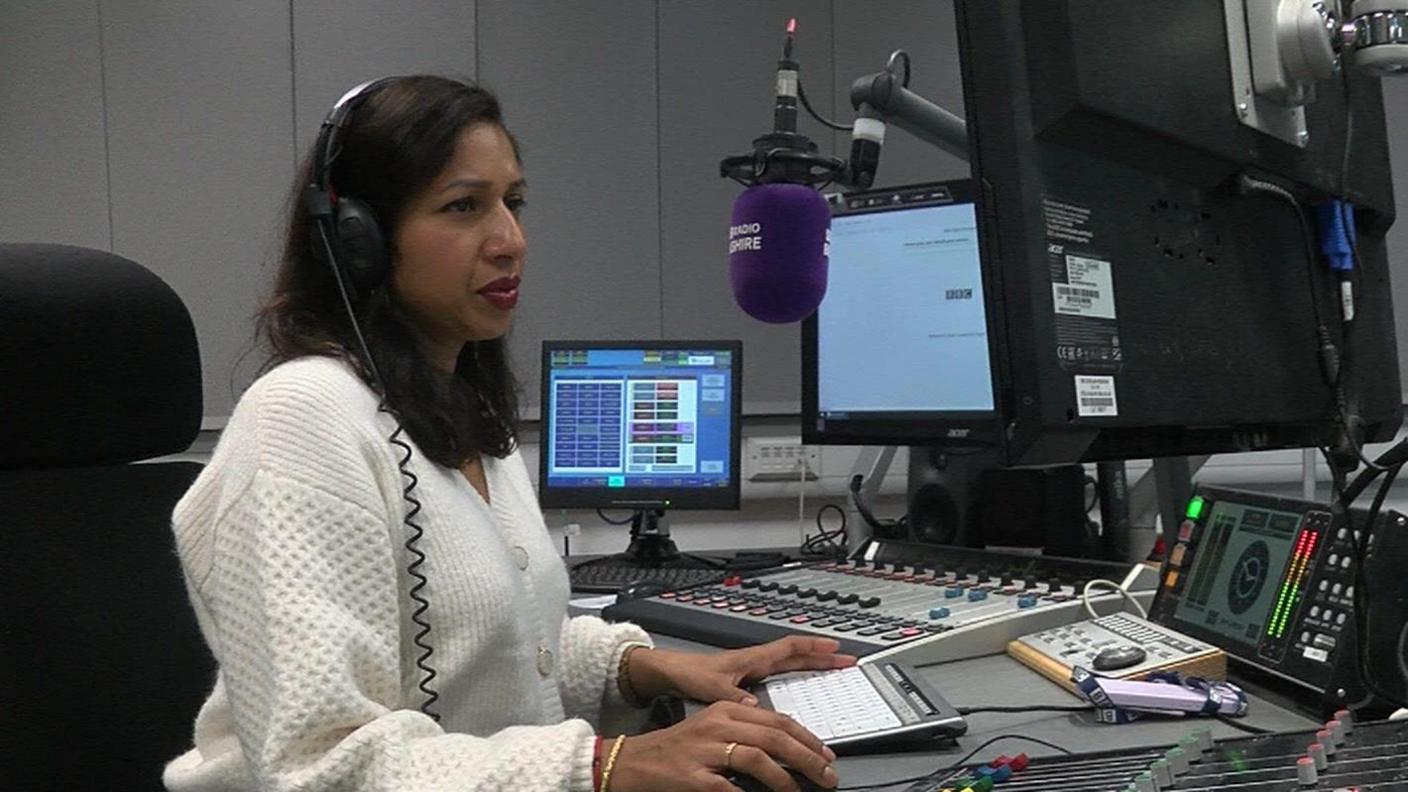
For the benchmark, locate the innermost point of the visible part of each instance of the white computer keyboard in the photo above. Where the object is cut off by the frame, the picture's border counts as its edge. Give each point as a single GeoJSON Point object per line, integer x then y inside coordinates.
{"type": "Point", "coordinates": [861, 703]}
{"type": "Point", "coordinates": [834, 705]}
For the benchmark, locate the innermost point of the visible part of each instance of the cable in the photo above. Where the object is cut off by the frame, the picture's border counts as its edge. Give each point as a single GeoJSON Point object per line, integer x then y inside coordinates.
{"type": "Point", "coordinates": [1361, 607]}
{"type": "Point", "coordinates": [1331, 361]}
{"type": "Point", "coordinates": [824, 543]}
{"type": "Point", "coordinates": [1047, 708]}
{"type": "Point", "coordinates": [610, 521]}
{"type": "Point", "coordinates": [413, 569]}
{"type": "Point", "coordinates": [1352, 238]}
{"type": "Point", "coordinates": [802, 501]}
{"type": "Point", "coordinates": [826, 122]}
{"type": "Point", "coordinates": [1344, 169]}
{"type": "Point", "coordinates": [1342, 508]}
{"type": "Point", "coordinates": [1085, 597]}
{"type": "Point", "coordinates": [956, 765]}
{"type": "Point", "coordinates": [884, 526]}
{"type": "Point", "coordinates": [422, 604]}
{"type": "Point", "coordinates": [1257, 185]}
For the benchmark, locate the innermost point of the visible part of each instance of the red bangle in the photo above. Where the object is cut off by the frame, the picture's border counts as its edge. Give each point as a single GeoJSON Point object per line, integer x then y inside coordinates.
{"type": "Point", "coordinates": [596, 765]}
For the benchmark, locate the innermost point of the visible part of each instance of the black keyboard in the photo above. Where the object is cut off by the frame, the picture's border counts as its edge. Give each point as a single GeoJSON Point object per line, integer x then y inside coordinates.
{"type": "Point", "coordinates": [611, 578]}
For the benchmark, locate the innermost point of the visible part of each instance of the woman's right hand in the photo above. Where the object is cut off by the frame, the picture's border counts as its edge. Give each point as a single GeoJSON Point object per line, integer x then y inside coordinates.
{"type": "Point", "coordinates": [693, 755]}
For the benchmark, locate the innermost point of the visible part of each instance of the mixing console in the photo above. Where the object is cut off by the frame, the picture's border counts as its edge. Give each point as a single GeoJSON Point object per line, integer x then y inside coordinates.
{"type": "Point", "coordinates": [914, 603]}
{"type": "Point", "coordinates": [1340, 756]}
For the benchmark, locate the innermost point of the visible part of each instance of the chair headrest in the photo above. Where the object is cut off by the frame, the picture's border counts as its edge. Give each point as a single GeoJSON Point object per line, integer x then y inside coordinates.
{"type": "Point", "coordinates": [98, 360]}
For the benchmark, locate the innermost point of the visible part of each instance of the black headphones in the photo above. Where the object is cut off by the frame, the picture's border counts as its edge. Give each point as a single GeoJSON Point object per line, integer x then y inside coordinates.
{"type": "Point", "coordinates": [345, 230]}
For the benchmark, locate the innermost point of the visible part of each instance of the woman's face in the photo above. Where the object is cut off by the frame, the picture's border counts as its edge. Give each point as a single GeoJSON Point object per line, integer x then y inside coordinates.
{"type": "Point", "coordinates": [458, 249]}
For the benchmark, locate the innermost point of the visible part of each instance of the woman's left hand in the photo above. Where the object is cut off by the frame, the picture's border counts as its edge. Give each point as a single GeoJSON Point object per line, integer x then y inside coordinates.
{"type": "Point", "coordinates": [722, 676]}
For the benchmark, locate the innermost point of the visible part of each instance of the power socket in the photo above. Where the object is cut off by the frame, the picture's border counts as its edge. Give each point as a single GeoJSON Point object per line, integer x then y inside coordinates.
{"type": "Point", "coordinates": [780, 459]}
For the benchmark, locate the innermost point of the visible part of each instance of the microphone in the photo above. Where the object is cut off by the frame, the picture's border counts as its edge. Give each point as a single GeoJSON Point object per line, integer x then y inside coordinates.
{"type": "Point", "coordinates": [780, 233]}
{"type": "Point", "coordinates": [779, 247]}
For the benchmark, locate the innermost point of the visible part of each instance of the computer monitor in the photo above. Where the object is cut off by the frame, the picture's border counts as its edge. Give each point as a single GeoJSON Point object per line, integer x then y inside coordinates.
{"type": "Point", "coordinates": [899, 352]}
{"type": "Point", "coordinates": [1143, 298]}
{"type": "Point", "coordinates": [641, 425]}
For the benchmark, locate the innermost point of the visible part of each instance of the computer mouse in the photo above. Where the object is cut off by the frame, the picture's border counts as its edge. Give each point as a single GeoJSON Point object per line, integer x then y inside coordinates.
{"type": "Point", "coordinates": [748, 783]}
{"type": "Point", "coordinates": [641, 589]}
{"type": "Point", "coordinates": [1113, 658]}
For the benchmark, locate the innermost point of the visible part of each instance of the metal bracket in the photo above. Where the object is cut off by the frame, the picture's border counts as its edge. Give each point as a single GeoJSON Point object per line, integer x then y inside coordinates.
{"type": "Point", "coordinates": [1248, 19]}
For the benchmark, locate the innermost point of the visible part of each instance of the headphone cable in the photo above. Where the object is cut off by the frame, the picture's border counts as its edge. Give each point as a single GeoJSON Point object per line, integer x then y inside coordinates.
{"type": "Point", "coordinates": [409, 480]}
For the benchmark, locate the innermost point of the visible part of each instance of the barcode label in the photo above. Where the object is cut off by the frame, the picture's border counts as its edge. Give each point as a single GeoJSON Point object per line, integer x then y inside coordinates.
{"type": "Point", "coordinates": [1095, 396]}
{"type": "Point", "coordinates": [1089, 289]}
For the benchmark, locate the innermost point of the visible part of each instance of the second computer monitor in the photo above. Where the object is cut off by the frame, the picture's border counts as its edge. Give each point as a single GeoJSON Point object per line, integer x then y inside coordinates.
{"type": "Point", "coordinates": [899, 351]}
{"type": "Point", "coordinates": [643, 425]}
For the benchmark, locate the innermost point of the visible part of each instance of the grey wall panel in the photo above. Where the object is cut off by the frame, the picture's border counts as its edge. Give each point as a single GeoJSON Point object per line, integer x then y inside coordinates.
{"type": "Point", "coordinates": [52, 161]}
{"type": "Point", "coordinates": [199, 128]}
{"type": "Point", "coordinates": [577, 81]}
{"type": "Point", "coordinates": [866, 33]}
{"type": "Point", "coordinates": [717, 67]}
{"type": "Point", "coordinates": [1396, 117]}
{"type": "Point", "coordinates": [339, 43]}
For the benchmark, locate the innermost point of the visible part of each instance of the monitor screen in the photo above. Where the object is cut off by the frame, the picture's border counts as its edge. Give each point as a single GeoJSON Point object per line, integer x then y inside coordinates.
{"type": "Point", "coordinates": [646, 424]}
{"type": "Point", "coordinates": [899, 347]}
{"type": "Point", "coordinates": [1233, 583]}
{"type": "Point", "coordinates": [907, 281]}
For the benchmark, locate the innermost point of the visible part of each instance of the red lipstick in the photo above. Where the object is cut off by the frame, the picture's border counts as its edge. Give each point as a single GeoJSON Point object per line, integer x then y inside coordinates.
{"type": "Point", "coordinates": [502, 293]}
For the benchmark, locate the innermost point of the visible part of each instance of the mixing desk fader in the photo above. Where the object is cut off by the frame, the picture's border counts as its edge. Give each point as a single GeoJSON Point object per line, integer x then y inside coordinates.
{"type": "Point", "coordinates": [1341, 755]}
{"type": "Point", "coordinates": [916, 603]}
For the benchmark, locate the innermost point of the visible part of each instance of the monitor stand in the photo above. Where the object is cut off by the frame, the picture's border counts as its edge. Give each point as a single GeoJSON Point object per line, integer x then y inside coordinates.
{"type": "Point", "coordinates": [651, 544]}
{"type": "Point", "coordinates": [651, 551]}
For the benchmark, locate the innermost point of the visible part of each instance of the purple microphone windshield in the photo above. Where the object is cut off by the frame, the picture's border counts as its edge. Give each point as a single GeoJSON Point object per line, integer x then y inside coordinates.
{"type": "Point", "coordinates": [778, 248]}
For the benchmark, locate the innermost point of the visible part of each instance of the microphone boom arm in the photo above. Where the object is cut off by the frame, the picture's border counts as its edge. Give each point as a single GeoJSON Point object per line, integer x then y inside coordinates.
{"type": "Point", "coordinates": [882, 95]}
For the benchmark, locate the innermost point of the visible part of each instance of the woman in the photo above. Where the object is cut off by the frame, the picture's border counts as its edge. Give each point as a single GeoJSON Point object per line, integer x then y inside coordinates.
{"type": "Point", "coordinates": [364, 551]}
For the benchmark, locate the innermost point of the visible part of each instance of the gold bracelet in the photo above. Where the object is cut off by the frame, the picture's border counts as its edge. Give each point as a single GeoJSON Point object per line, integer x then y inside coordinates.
{"type": "Point", "coordinates": [623, 677]}
{"type": "Point", "coordinates": [610, 763]}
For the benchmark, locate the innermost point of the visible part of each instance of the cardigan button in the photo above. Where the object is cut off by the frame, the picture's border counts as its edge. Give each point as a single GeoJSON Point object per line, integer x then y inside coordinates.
{"type": "Point", "coordinates": [544, 661]}
{"type": "Point", "coordinates": [520, 556]}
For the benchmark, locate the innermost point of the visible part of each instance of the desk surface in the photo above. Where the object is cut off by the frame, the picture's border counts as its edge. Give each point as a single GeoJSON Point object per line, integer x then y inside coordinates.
{"type": "Point", "coordinates": [998, 680]}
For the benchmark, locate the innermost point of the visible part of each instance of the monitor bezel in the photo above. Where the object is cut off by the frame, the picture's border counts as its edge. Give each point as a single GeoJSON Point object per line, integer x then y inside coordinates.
{"type": "Point", "coordinates": [950, 428]}
{"type": "Point", "coordinates": [644, 498]}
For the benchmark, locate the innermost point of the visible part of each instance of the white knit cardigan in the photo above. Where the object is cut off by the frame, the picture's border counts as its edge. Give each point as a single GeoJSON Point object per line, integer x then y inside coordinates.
{"type": "Point", "coordinates": [292, 541]}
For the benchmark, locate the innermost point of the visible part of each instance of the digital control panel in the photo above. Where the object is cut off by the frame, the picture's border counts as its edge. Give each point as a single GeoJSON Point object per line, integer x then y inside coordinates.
{"type": "Point", "coordinates": [1269, 580]}
{"type": "Point", "coordinates": [1055, 653]}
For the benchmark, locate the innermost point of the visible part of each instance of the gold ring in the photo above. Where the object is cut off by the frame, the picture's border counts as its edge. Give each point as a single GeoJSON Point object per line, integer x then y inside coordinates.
{"type": "Point", "coordinates": [728, 755]}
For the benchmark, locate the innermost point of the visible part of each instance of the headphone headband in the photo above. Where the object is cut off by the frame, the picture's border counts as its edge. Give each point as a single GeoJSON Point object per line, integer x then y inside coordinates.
{"type": "Point", "coordinates": [333, 124]}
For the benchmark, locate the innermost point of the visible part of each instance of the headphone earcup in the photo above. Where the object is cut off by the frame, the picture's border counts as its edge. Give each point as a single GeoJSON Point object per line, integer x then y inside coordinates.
{"type": "Point", "coordinates": [361, 247]}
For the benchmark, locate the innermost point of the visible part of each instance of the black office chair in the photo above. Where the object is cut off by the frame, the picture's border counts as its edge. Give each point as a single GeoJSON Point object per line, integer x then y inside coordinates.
{"type": "Point", "coordinates": [102, 668]}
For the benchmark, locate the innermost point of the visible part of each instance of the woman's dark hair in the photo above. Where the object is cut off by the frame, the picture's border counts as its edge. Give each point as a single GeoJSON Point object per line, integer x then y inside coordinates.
{"type": "Point", "coordinates": [395, 143]}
